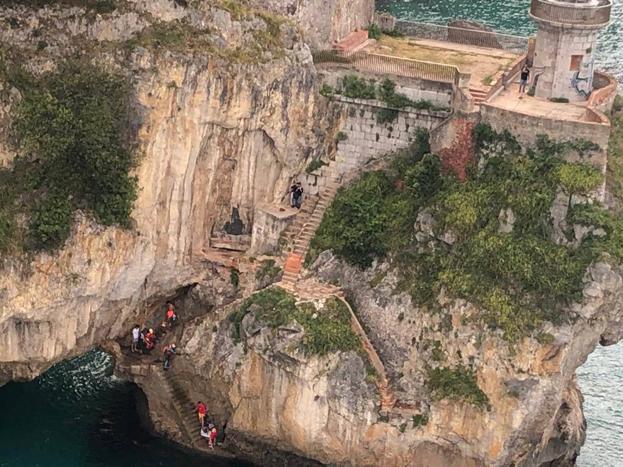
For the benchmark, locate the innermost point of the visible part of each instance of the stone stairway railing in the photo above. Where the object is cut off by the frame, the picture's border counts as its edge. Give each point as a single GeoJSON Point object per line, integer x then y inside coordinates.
{"type": "Point", "coordinates": [388, 400]}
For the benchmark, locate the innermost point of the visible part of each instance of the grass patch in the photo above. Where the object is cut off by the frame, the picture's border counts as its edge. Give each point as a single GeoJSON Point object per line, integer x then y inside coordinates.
{"type": "Point", "coordinates": [456, 384]}
{"type": "Point", "coordinates": [326, 331]}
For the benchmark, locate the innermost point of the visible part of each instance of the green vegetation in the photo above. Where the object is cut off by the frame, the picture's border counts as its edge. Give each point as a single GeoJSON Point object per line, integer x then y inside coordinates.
{"type": "Point", "coordinates": [315, 164]}
{"type": "Point", "coordinates": [374, 31]}
{"type": "Point", "coordinates": [457, 384]}
{"type": "Point", "coordinates": [72, 126]}
{"type": "Point", "coordinates": [360, 88]}
{"type": "Point", "coordinates": [327, 90]}
{"type": "Point", "coordinates": [326, 331]}
{"type": "Point", "coordinates": [268, 270]}
{"type": "Point", "coordinates": [517, 279]}
{"type": "Point", "coordinates": [234, 277]}
{"type": "Point", "coordinates": [419, 420]}
{"type": "Point", "coordinates": [561, 100]}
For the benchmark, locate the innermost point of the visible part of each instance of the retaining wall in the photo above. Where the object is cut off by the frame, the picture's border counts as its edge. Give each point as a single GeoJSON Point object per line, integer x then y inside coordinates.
{"type": "Point", "coordinates": [526, 127]}
{"type": "Point", "coordinates": [365, 138]}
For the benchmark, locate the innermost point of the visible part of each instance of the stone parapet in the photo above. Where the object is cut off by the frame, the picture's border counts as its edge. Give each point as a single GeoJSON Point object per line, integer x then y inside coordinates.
{"type": "Point", "coordinates": [595, 14]}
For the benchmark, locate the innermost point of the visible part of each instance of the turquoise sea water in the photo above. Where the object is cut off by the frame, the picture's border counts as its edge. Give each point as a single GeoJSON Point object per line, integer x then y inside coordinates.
{"type": "Point", "coordinates": [510, 17]}
{"type": "Point", "coordinates": [601, 377]}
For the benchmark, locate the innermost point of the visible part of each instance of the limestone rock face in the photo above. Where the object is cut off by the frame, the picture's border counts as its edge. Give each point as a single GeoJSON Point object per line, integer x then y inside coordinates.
{"type": "Point", "coordinates": [536, 407]}
{"type": "Point", "coordinates": [211, 136]}
{"type": "Point", "coordinates": [326, 21]}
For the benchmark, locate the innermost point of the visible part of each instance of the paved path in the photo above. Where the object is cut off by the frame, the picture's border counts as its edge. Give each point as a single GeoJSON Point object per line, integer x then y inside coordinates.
{"type": "Point", "coordinates": [509, 99]}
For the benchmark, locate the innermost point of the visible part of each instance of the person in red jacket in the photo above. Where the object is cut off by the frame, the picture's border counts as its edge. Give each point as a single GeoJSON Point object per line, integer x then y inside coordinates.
{"type": "Point", "coordinates": [202, 409]}
{"type": "Point", "coordinates": [171, 316]}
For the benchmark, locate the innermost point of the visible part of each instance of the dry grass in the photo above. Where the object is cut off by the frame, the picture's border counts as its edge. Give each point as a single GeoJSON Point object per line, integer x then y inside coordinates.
{"type": "Point", "coordinates": [482, 64]}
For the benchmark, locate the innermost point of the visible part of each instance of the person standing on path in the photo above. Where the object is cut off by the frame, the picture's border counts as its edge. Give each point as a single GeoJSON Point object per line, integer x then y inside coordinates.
{"type": "Point", "coordinates": [201, 411]}
{"type": "Point", "coordinates": [136, 334]}
{"type": "Point", "coordinates": [171, 317]}
{"type": "Point", "coordinates": [524, 75]}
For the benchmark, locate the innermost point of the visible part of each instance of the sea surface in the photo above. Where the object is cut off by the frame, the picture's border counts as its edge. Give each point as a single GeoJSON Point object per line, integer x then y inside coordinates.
{"type": "Point", "coordinates": [601, 377]}
{"type": "Point", "coordinates": [78, 414]}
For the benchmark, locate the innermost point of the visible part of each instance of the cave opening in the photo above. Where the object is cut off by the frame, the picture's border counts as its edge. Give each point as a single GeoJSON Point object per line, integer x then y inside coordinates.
{"type": "Point", "coordinates": [601, 380]}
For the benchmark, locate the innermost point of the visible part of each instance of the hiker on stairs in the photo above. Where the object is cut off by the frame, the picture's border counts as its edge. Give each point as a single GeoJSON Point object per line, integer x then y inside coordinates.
{"type": "Point", "coordinates": [201, 412]}
{"type": "Point", "coordinates": [169, 352]}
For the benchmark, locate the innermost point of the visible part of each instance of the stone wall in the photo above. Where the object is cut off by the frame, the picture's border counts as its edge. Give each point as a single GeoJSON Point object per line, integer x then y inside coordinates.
{"type": "Point", "coordinates": [364, 138]}
{"type": "Point", "coordinates": [440, 94]}
{"type": "Point", "coordinates": [324, 22]}
{"type": "Point", "coordinates": [526, 127]}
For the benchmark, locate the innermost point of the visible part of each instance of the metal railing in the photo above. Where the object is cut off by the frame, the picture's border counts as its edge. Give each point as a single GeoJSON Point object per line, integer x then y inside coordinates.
{"type": "Point", "coordinates": [457, 35]}
{"type": "Point", "coordinates": [387, 64]}
{"type": "Point", "coordinates": [575, 13]}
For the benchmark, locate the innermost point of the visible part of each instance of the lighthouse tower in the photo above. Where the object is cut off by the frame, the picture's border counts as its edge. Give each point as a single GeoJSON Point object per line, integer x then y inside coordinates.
{"type": "Point", "coordinates": [565, 46]}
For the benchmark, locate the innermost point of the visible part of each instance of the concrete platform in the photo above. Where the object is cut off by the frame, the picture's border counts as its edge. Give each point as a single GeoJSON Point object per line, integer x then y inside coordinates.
{"type": "Point", "coordinates": [510, 99]}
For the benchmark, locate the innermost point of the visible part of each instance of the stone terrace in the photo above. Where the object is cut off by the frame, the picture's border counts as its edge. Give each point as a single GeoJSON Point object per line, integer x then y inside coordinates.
{"type": "Point", "coordinates": [484, 65]}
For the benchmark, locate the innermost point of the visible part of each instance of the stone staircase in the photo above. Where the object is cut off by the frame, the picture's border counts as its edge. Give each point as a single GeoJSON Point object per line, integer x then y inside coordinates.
{"type": "Point", "coordinates": [478, 95]}
{"type": "Point", "coordinates": [306, 228]}
{"type": "Point", "coordinates": [185, 409]}
{"type": "Point", "coordinates": [352, 43]}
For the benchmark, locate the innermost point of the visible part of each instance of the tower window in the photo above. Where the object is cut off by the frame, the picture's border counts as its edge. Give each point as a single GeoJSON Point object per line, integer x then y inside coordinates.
{"type": "Point", "coordinates": [576, 61]}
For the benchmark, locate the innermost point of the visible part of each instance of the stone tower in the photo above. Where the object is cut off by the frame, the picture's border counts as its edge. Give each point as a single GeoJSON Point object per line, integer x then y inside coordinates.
{"type": "Point", "coordinates": [565, 46]}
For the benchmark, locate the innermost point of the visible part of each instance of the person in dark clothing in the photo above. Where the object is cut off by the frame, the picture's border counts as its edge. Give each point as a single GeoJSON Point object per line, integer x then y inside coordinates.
{"type": "Point", "coordinates": [297, 195]}
{"type": "Point", "coordinates": [524, 75]}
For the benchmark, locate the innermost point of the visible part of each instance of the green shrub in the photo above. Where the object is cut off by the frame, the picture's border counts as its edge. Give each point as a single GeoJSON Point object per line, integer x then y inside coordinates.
{"type": "Point", "coordinates": [341, 136]}
{"type": "Point", "coordinates": [578, 179]}
{"type": "Point", "coordinates": [353, 225]}
{"type": "Point", "coordinates": [314, 165]}
{"type": "Point", "coordinates": [562, 100]}
{"type": "Point", "coordinates": [419, 420]}
{"type": "Point", "coordinates": [326, 90]}
{"type": "Point", "coordinates": [50, 222]}
{"type": "Point", "coordinates": [358, 88]}
{"type": "Point", "coordinates": [457, 384]}
{"type": "Point", "coordinates": [234, 277]}
{"type": "Point", "coordinates": [374, 32]}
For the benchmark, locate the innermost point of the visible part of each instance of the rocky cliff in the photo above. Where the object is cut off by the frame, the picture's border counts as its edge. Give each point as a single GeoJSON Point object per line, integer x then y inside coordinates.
{"type": "Point", "coordinates": [225, 113]}
{"type": "Point", "coordinates": [214, 131]}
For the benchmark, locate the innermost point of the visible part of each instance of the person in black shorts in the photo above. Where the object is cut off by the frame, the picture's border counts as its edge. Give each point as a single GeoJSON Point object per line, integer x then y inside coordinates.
{"type": "Point", "coordinates": [524, 75]}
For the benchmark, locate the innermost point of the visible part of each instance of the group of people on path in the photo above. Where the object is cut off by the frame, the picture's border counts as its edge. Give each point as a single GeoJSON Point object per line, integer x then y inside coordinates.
{"type": "Point", "coordinates": [208, 430]}
{"type": "Point", "coordinates": [144, 339]}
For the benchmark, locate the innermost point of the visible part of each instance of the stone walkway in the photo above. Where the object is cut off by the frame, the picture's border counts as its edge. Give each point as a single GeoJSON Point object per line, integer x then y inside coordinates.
{"type": "Point", "coordinates": [509, 99]}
